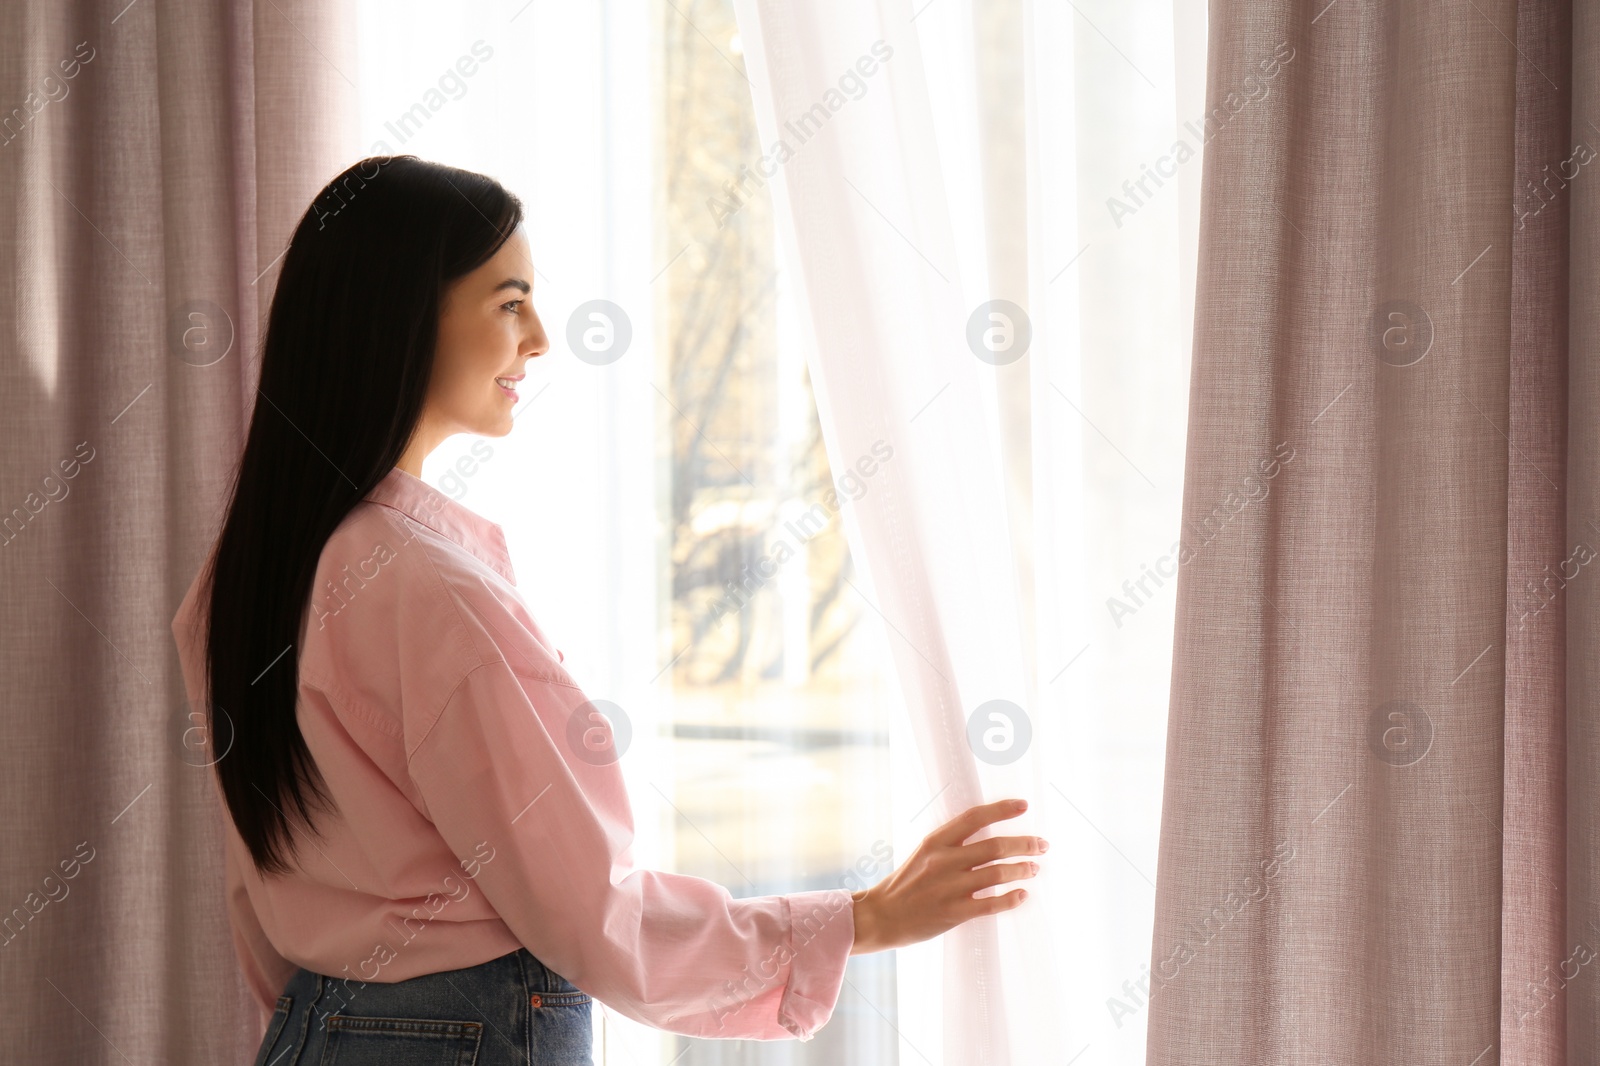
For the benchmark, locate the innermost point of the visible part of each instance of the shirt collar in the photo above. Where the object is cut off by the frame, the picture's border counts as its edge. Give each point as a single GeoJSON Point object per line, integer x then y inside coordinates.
{"type": "Point", "coordinates": [417, 499]}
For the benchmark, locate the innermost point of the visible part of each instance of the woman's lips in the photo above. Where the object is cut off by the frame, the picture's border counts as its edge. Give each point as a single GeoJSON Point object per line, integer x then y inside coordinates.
{"type": "Point", "coordinates": [511, 392]}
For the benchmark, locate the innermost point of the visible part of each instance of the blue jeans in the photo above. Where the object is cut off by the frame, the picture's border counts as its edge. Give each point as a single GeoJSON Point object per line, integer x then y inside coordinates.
{"type": "Point", "coordinates": [504, 1011]}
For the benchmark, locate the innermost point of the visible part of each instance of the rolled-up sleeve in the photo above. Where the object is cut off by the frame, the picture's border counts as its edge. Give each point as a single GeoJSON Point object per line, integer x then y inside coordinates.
{"type": "Point", "coordinates": [520, 759]}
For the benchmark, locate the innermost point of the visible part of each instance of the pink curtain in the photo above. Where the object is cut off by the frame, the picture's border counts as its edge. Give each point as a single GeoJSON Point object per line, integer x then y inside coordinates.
{"type": "Point", "coordinates": [1380, 807]}
{"type": "Point", "coordinates": [155, 157]}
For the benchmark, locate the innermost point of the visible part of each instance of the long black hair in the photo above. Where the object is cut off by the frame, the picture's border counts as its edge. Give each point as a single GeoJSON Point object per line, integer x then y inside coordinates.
{"type": "Point", "coordinates": [345, 365]}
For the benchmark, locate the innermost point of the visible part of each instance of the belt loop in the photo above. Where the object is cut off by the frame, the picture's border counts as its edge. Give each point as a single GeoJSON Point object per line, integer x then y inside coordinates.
{"type": "Point", "coordinates": [315, 1007]}
{"type": "Point", "coordinates": [541, 973]}
{"type": "Point", "coordinates": [524, 957]}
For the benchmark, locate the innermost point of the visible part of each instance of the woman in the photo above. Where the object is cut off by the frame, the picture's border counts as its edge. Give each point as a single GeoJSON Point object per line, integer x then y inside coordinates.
{"type": "Point", "coordinates": [428, 834]}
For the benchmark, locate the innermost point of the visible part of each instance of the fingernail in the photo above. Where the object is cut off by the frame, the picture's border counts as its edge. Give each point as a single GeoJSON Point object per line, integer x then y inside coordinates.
{"type": "Point", "coordinates": [1033, 867]}
{"type": "Point", "coordinates": [1022, 805]}
{"type": "Point", "coordinates": [1044, 846]}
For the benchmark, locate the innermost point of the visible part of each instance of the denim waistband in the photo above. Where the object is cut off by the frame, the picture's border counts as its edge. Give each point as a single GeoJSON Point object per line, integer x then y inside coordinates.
{"type": "Point", "coordinates": [512, 1009]}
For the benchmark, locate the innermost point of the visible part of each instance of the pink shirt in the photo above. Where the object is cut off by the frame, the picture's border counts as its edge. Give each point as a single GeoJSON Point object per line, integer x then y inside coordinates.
{"type": "Point", "coordinates": [481, 806]}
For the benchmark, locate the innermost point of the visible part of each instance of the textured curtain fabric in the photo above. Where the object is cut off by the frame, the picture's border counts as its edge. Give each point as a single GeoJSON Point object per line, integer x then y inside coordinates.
{"type": "Point", "coordinates": [1380, 808]}
{"type": "Point", "coordinates": [1003, 407]}
{"type": "Point", "coordinates": [154, 158]}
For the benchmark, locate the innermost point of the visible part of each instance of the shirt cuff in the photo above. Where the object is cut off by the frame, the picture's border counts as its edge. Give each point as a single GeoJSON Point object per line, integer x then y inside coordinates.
{"type": "Point", "coordinates": [822, 931]}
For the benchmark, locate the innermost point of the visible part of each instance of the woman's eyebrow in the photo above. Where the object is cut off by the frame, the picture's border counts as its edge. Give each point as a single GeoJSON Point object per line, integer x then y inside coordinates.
{"type": "Point", "coordinates": [513, 283]}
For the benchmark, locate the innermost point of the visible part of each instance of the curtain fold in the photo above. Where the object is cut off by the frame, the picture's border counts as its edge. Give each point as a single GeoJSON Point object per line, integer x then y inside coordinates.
{"type": "Point", "coordinates": [154, 158]}
{"type": "Point", "coordinates": [1379, 813]}
{"type": "Point", "coordinates": [1581, 758]}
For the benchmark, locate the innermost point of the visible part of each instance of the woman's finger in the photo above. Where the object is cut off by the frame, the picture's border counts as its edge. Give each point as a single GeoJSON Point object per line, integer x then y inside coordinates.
{"type": "Point", "coordinates": [1005, 901]}
{"type": "Point", "coordinates": [991, 848]}
{"type": "Point", "coordinates": [956, 831]}
{"type": "Point", "coordinates": [998, 874]}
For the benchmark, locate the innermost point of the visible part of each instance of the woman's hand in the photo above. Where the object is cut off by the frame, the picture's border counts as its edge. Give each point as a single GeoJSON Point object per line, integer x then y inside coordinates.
{"type": "Point", "coordinates": [932, 891]}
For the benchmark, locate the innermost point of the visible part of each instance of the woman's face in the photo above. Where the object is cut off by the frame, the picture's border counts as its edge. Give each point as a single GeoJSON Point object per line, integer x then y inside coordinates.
{"type": "Point", "coordinates": [488, 330]}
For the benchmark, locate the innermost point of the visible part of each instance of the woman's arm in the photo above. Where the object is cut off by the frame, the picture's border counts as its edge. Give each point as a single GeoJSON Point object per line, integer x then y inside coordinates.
{"type": "Point", "coordinates": [503, 763]}
{"type": "Point", "coordinates": [516, 756]}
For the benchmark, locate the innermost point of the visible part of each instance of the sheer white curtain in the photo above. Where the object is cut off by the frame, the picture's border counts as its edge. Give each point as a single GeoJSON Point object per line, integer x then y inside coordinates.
{"type": "Point", "coordinates": [988, 217]}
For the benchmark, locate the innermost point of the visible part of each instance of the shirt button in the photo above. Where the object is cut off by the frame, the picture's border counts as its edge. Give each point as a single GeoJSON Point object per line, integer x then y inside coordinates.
{"type": "Point", "coordinates": [536, 1000]}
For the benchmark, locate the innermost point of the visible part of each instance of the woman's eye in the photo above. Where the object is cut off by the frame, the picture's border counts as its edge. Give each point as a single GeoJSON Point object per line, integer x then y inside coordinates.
{"type": "Point", "coordinates": [511, 306]}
